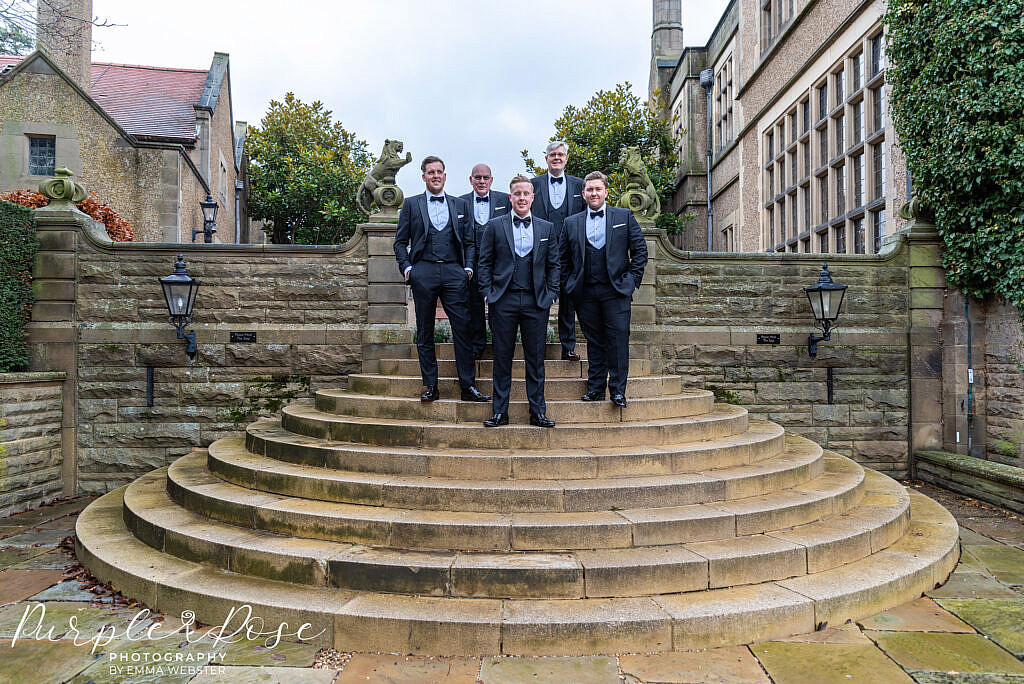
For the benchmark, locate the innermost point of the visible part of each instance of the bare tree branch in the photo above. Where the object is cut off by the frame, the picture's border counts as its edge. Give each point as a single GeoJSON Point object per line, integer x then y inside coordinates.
{"type": "Point", "coordinates": [20, 18]}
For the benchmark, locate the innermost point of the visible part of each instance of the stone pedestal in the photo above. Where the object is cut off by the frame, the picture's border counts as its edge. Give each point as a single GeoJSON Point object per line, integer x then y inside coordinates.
{"type": "Point", "coordinates": [644, 308]}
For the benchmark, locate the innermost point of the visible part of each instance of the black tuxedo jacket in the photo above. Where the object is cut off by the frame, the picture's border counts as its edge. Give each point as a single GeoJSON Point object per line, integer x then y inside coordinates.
{"type": "Point", "coordinates": [497, 260]}
{"type": "Point", "coordinates": [542, 201]}
{"type": "Point", "coordinates": [414, 221]}
{"type": "Point", "coordinates": [625, 250]}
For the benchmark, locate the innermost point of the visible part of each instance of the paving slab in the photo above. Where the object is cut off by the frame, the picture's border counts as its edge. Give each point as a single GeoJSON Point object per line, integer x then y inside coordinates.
{"type": "Point", "coordinates": [39, 537]}
{"type": "Point", "coordinates": [258, 652]}
{"type": "Point", "coordinates": [16, 585]}
{"type": "Point", "coordinates": [172, 660]}
{"type": "Point", "coordinates": [970, 563]}
{"type": "Point", "coordinates": [54, 559]}
{"type": "Point", "coordinates": [925, 677]}
{"type": "Point", "coordinates": [70, 590]}
{"type": "Point", "coordinates": [972, 585]}
{"type": "Point", "coordinates": [731, 665]}
{"type": "Point", "coordinates": [56, 615]}
{"type": "Point", "coordinates": [970, 537]}
{"type": "Point", "coordinates": [586, 670]}
{"type": "Point", "coordinates": [796, 663]}
{"type": "Point", "coordinates": [944, 652]}
{"type": "Point", "coordinates": [844, 634]}
{"type": "Point", "coordinates": [264, 675]}
{"type": "Point", "coordinates": [14, 555]}
{"type": "Point", "coordinates": [1004, 562]}
{"type": "Point", "coordinates": [922, 615]}
{"type": "Point", "coordinates": [43, 514]}
{"type": "Point", "coordinates": [31, 661]}
{"type": "Point", "coordinates": [392, 669]}
{"type": "Point", "coordinates": [1000, 620]}
{"type": "Point", "coordinates": [1005, 529]}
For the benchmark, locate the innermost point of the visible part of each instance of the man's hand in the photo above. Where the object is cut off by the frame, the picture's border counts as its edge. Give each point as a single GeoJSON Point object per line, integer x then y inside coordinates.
{"type": "Point", "coordinates": [469, 272]}
{"type": "Point", "coordinates": [408, 270]}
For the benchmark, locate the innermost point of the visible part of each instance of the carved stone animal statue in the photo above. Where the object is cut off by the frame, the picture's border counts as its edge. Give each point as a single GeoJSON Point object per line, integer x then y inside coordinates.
{"type": "Point", "coordinates": [382, 173]}
{"type": "Point", "coordinates": [638, 182]}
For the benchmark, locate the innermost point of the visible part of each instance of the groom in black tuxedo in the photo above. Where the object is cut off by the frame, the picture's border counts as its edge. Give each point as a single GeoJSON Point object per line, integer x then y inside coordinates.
{"type": "Point", "coordinates": [603, 259]}
{"type": "Point", "coordinates": [559, 196]}
{"type": "Point", "coordinates": [436, 250]}
{"type": "Point", "coordinates": [519, 275]}
{"type": "Point", "coordinates": [484, 204]}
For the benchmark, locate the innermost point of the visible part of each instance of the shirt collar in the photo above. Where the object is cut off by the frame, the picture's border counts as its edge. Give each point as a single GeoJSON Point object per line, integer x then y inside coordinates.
{"type": "Point", "coordinates": [475, 195]}
{"type": "Point", "coordinates": [529, 215]}
{"type": "Point", "coordinates": [551, 175]}
{"type": "Point", "coordinates": [600, 208]}
{"type": "Point", "coordinates": [430, 194]}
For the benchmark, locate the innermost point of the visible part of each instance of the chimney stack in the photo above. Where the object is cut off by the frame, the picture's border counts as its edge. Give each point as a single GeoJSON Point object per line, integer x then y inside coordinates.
{"type": "Point", "coordinates": [667, 36]}
{"type": "Point", "coordinates": [64, 31]}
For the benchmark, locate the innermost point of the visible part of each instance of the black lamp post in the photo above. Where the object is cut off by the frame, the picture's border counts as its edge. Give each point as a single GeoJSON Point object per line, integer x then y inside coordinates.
{"type": "Point", "coordinates": [826, 297]}
{"type": "Point", "coordinates": [180, 291]}
{"type": "Point", "coordinates": [209, 206]}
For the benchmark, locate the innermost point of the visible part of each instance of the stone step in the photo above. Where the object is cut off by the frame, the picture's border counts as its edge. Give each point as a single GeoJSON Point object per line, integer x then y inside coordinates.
{"type": "Point", "coordinates": [555, 388]}
{"type": "Point", "coordinates": [371, 621]}
{"type": "Point", "coordinates": [800, 463]}
{"type": "Point", "coordinates": [552, 350]}
{"type": "Point", "coordinates": [484, 368]}
{"type": "Point", "coordinates": [879, 522]}
{"type": "Point", "coordinates": [690, 402]}
{"type": "Point", "coordinates": [191, 484]}
{"type": "Point", "coordinates": [304, 419]}
{"type": "Point", "coordinates": [763, 440]}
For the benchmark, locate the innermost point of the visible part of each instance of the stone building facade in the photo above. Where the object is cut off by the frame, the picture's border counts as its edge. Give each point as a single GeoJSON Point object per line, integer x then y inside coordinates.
{"type": "Point", "coordinates": [803, 155]}
{"type": "Point", "coordinates": [151, 142]}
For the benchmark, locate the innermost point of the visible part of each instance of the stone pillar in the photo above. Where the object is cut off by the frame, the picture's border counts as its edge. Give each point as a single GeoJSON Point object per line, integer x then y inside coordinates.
{"type": "Point", "coordinates": [387, 310]}
{"type": "Point", "coordinates": [927, 287]}
{"type": "Point", "coordinates": [65, 32]}
{"type": "Point", "coordinates": [644, 310]}
{"type": "Point", "coordinates": [52, 335]}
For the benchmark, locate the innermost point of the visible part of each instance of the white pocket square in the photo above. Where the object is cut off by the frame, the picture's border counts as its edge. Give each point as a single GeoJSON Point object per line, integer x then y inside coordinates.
{"type": "Point", "coordinates": [543, 239]}
{"type": "Point", "coordinates": [576, 195]}
{"type": "Point", "coordinates": [618, 225]}
{"type": "Point", "coordinates": [461, 215]}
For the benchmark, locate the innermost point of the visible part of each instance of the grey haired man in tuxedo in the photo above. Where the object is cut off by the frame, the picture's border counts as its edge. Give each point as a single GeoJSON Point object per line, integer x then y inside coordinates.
{"type": "Point", "coordinates": [484, 204]}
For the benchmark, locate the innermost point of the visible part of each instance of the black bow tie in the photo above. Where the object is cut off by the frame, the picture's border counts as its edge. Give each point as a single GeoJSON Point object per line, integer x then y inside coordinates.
{"type": "Point", "coordinates": [521, 221]}
{"type": "Point", "coordinates": [597, 214]}
{"type": "Point", "coordinates": [483, 199]}
{"type": "Point", "coordinates": [436, 199]}
{"type": "Point", "coordinates": [557, 179]}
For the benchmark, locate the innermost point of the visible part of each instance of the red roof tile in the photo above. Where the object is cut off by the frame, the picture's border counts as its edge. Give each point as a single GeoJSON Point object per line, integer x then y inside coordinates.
{"type": "Point", "coordinates": [151, 103]}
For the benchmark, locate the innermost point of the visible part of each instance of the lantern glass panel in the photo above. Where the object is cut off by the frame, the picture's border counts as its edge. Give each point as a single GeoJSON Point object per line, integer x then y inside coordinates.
{"type": "Point", "coordinates": [814, 296]}
{"type": "Point", "coordinates": [831, 300]}
{"type": "Point", "coordinates": [209, 210]}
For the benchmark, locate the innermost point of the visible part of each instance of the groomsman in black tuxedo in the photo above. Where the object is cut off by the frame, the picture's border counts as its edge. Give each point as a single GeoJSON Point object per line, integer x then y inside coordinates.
{"type": "Point", "coordinates": [603, 260]}
{"type": "Point", "coordinates": [436, 251]}
{"type": "Point", "coordinates": [519, 276]}
{"type": "Point", "coordinates": [560, 196]}
{"type": "Point", "coordinates": [484, 204]}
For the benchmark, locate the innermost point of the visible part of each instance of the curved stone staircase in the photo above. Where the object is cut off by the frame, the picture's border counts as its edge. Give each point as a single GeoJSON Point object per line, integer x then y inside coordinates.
{"type": "Point", "coordinates": [397, 526]}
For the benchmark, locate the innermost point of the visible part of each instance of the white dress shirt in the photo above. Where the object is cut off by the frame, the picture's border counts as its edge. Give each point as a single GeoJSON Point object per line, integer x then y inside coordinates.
{"type": "Point", "coordinates": [481, 210]}
{"type": "Point", "coordinates": [522, 235]}
{"type": "Point", "coordinates": [438, 210]}
{"type": "Point", "coordinates": [556, 191]}
{"type": "Point", "coordinates": [596, 226]}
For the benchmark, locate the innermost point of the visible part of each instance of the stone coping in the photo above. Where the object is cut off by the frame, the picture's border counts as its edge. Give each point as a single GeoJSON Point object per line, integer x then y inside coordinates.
{"type": "Point", "coordinates": [32, 377]}
{"type": "Point", "coordinates": [1008, 475]}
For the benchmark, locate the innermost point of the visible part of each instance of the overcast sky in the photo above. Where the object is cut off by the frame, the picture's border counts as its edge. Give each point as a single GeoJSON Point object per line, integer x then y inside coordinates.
{"type": "Point", "coordinates": [467, 80]}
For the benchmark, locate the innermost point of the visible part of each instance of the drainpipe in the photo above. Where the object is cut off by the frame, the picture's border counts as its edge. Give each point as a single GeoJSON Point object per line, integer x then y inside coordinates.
{"type": "Point", "coordinates": [707, 81]}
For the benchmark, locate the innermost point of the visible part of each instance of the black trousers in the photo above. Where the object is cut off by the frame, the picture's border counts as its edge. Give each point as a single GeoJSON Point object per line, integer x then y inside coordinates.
{"type": "Point", "coordinates": [477, 319]}
{"type": "Point", "coordinates": [514, 310]}
{"type": "Point", "coordinates": [566, 323]}
{"type": "Point", "coordinates": [429, 282]}
{"type": "Point", "coordinates": [604, 316]}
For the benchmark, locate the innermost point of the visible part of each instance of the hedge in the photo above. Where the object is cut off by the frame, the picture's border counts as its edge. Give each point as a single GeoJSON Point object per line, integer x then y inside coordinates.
{"type": "Point", "coordinates": [18, 246]}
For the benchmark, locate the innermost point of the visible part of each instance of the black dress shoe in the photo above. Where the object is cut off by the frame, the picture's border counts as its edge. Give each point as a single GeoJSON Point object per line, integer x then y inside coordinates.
{"type": "Point", "coordinates": [471, 393]}
{"type": "Point", "coordinates": [619, 400]}
{"type": "Point", "coordinates": [570, 355]}
{"type": "Point", "coordinates": [593, 395]}
{"type": "Point", "coordinates": [431, 394]}
{"type": "Point", "coordinates": [540, 420]}
{"type": "Point", "coordinates": [497, 419]}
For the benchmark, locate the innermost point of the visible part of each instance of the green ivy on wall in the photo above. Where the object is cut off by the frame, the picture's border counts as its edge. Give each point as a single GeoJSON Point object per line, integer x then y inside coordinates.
{"type": "Point", "coordinates": [957, 101]}
{"type": "Point", "coordinates": [18, 246]}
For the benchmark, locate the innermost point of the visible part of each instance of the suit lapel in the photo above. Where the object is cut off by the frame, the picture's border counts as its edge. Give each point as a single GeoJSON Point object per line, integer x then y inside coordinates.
{"type": "Point", "coordinates": [545, 193]}
{"type": "Point", "coordinates": [507, 225]}
{"type": "Point", "coordinates": [453, 216]}
{"type": "Point", "coordinates": [491, 203]}
{"type": "Point", "coordinates": [425, 214]}
{"type": "Point", "coordinates": [536, 243]}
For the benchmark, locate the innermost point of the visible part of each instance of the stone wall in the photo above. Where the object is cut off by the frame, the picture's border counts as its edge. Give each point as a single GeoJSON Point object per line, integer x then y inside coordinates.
{"type": "Point", "coordinates": [710, 308]}
{"type": "Point", "coordinates": [30, 440]}
{"type": "Point", "coordinates": [1004, 375]}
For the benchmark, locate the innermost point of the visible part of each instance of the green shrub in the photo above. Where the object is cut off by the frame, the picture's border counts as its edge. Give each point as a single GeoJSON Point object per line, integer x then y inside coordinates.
{"type": "Point", "coordinates": [18, 246]}
{"type": "Point", "coordinates": [957, 102]}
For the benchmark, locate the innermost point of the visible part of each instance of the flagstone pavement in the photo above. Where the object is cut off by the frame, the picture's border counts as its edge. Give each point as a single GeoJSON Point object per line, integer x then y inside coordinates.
{"type": "Point", "coordinates": [969, 630]}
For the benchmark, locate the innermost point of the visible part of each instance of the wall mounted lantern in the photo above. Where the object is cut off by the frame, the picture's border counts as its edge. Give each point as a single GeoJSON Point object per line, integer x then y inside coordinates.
{"type": "Point", "coordinates": [826, 298]}
{"type": "Point", "coordinates": [209, 206]}
{"type": "Point", "coordinates": [180, 291]}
